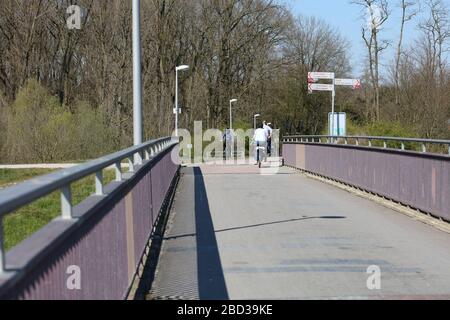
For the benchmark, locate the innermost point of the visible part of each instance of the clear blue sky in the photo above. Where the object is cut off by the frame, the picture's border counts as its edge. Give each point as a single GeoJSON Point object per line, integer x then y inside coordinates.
{"type": "Point", "coordinates": [348, 19]}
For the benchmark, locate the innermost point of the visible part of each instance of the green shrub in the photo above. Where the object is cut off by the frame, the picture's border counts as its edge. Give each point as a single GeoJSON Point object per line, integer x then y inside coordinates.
{"type": "Point", "coordinates": [39, 129]}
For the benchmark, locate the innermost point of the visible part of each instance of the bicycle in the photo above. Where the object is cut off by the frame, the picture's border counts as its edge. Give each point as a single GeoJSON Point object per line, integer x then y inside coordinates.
{"type": "Point", "coordinates": [261, 153]}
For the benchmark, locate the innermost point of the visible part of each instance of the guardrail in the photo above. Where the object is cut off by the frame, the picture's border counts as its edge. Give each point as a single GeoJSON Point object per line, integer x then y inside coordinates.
{"type": "Point", "coordinates": [357, 140]}
{"type": "Point", "coordinates": [106, 234]}
{"type": "Point", "coordinates": [394, 168]}
{"type": "Point", "coordinates": [22, 194]}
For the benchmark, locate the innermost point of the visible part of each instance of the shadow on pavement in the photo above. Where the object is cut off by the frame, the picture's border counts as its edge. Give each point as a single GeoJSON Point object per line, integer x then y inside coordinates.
{"type": "Point", "coordinates": [211, 281]}
{"type": "Point", "coordinates": [258, 225]}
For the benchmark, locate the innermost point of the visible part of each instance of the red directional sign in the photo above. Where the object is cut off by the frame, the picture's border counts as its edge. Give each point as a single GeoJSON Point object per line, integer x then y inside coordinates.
{"type": "Point", "coordinates": [355, 83]}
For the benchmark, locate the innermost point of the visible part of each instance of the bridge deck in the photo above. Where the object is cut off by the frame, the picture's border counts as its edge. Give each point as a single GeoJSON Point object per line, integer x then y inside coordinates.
{"type": "Point", "coordinates": [235, 234]}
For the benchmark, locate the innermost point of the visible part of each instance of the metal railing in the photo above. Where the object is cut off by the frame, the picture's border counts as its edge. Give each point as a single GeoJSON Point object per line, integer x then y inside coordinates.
{"type": "Point", "coordinates": [358, 141]}
{"type": "Point", "coordinates": [17, 196]}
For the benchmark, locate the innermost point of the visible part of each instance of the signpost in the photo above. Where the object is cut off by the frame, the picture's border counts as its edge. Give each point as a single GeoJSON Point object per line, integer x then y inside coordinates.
{"type": "Point", "coordinates": [314, 77]}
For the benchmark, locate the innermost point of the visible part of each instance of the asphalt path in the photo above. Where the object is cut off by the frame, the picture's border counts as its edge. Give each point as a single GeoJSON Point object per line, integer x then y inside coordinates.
{"type": "Point", "coordinates": [236, 234]}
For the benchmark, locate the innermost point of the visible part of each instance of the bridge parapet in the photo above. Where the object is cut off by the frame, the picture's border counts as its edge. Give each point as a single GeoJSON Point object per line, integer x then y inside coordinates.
{"type": "Point", "coordinates": [380, 165]}
{"type": "Point", "coordinates": [101, 240]}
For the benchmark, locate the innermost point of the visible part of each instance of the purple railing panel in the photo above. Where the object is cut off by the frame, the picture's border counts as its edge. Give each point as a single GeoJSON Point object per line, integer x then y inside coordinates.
{"type": "Point", "coordinates": [104, 244]}
{"type": "Point", "coordinates": [100, 254]}
{"type": "Point", "coordinates": [421, 181]}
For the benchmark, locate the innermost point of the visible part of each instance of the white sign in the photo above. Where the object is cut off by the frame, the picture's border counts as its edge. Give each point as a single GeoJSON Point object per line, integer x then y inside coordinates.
{"type": "Point", "coordinates": [320, 87]}
{"type": "Point", "coordinates": [355, 83]}
{"type": "Point", "coordinates": [175, 110]}
{"type": "Point", "coordinates": [321, 75]}
{"type": "Point", "coordinates": [340, 124]}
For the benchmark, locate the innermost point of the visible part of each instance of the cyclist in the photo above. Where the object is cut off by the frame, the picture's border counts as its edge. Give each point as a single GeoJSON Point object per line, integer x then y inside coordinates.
{"type": "Point", "coordinates": [260, 138]}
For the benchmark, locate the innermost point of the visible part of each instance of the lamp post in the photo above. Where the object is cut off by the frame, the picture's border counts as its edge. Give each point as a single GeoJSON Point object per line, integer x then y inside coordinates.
{"type": "Point", "coordinates": [254, 119]}
{"type": "Point", "coordinates": [177, 111]}
{"type": "Point", "coordinates": [231, 115]}
{"type": "Point", "coordinates": [137, 86]}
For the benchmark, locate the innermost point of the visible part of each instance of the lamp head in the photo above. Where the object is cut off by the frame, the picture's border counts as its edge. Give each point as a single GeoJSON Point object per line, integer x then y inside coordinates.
{"type": "Point", "coordinates": [182, 67]}
{"type": "Point", "coordinates": [233, 100]}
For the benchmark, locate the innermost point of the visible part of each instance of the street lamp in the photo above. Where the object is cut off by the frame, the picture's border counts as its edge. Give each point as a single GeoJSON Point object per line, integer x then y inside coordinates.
{"type": "Point", "coordinates": [179, 68]}
{"type": "Point", "coordinates": [231, 117]}
{"type": "Point", "coordinates": [137, 78]}
{"type": "Point", "coordinates": [254, 119]}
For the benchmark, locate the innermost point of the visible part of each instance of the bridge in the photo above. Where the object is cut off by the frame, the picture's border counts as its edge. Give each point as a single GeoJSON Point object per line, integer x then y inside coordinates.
{"type": "Point", "coordinates": [339, 213]}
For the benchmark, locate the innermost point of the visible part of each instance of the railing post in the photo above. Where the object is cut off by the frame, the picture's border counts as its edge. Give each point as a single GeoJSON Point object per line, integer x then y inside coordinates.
{"type": "Point", "coordinates": [66, 202]}
{"type": "Point", "coordinates": [346, 140]}
{"type": "Point", "coordinates": [131, 164]}
{"type": "Point", "coordinates": [357, 141]}
{"type": "Point", "coordinates": [384, 144]}
{"type": "Point", "coordinates": [2, 249]}
{"type": "Point", "coordinates": [403, 146]}
{"type": "Point", "coordinates": [449, 149]}
{"type": "Point", "coordinates": [99, 183]}
{"type": "Point", "coordinates": [118, 170]}
{"type": "Point", "coordinates": [370, 143]}
{"type": "Point", "coordinates": [147, 154]}
{"type": "Point", "coordinates": [424, 148]}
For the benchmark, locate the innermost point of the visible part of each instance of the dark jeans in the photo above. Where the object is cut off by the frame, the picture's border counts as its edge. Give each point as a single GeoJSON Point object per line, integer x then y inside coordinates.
{"type": "Point", "coordinates": [269, 147]}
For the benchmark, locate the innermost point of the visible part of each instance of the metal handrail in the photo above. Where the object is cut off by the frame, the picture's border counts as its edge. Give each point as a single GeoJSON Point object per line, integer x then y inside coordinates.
{"type": "Point", "coordinates": [347, 139]}
{"type": "Point", "coordinates": [17, 196]}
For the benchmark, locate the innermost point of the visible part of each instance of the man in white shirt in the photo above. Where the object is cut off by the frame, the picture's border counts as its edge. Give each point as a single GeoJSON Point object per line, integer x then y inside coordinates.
{"type": "Point", "coordinates": [268, 130]}
{"type": "Point", "coordinates": [260, 138]}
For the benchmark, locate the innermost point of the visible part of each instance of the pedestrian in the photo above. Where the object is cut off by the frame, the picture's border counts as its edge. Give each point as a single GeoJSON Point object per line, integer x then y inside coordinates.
{"type": "Point", "coordinates": [269, 131]}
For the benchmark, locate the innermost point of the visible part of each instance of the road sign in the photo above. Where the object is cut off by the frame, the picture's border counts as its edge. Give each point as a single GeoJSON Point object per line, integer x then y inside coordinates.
{"type": "Point", "coordinates": [321, 75]}
{"type": "Point", "coordinates": [355, 83]}
{"type": "Point", "coordinates": [320, 87]}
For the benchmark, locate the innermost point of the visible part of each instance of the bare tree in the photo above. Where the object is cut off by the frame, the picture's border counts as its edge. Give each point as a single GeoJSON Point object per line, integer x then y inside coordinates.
{"type": "Point", "coordinates": [377, 12]}
{"type": "Point", "coordinates": [408, 13]}
{"type": "Point", "coordinates": [437, 30]}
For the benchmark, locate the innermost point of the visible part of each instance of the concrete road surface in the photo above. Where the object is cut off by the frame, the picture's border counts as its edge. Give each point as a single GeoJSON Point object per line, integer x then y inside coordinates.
{"type": "Point", "coordinates": [236, 234]}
